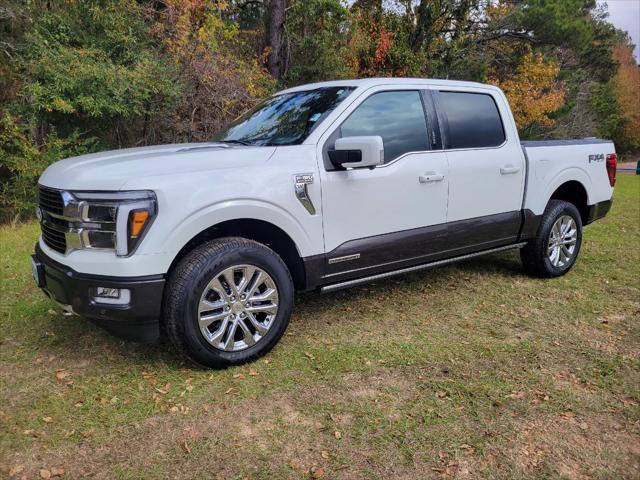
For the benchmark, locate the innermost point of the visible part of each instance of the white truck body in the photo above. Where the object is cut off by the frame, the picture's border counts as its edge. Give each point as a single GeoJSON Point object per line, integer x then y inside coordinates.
{"type": "Point", "coordinates": [422, 206]}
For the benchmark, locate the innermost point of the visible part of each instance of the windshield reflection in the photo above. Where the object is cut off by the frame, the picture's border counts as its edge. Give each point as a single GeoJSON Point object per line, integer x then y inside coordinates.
{"type": "Point", "coordinates": [286, 119]}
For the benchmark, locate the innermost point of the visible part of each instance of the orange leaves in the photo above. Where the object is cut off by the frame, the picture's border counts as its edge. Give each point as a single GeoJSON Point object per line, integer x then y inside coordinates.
{"type": "Point", "coordinates": [383, 47]}
{"type": "Point", "coordinates": [533, 90]}
{"type": "Point", "coordinates": [626, 88]}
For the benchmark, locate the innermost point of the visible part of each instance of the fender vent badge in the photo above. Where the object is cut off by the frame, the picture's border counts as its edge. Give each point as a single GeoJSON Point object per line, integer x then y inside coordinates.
{"type": "Point", "coordinates": [300, 182]}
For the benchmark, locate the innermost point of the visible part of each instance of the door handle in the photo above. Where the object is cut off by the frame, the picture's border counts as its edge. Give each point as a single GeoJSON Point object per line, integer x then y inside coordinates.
{"type": "Point", "coordinates": [507, 169]}
{"type": "Point", "coordinates": [431, 177]}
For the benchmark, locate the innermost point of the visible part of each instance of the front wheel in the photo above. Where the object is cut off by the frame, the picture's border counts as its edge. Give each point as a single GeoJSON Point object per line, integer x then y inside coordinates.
{"type": "Point", "coordinates": [228, 302]}
{"type": "Point", "coordinates": [555, 248]}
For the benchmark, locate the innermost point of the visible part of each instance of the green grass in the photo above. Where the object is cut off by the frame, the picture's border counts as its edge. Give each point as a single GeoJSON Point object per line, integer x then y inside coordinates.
{"type": "Point", "coordinates": [471, 371]}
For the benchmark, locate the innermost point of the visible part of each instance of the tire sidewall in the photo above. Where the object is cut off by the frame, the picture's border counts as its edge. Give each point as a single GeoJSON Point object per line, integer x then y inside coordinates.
{"type": "Point", "coordinates": [554, 213]}
{"type": "Point", "coordinates": [195, 343]}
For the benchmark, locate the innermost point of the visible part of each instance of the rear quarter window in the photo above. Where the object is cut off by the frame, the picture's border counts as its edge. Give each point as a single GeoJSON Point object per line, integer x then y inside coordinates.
{"type": "Point", "coordinates": [473, 120]}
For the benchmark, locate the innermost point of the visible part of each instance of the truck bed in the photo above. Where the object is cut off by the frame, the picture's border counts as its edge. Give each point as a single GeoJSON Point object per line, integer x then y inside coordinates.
{"type": "Point", "coordinates": [551, 163]}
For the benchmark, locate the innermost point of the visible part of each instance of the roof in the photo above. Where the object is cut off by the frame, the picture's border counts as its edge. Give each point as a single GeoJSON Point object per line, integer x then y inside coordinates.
{"type": "Point", "coordinates": [373, 82]}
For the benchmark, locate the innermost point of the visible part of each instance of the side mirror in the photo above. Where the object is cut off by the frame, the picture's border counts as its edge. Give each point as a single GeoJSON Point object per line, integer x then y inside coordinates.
{"type": "Point", "coordinates": [357, 152]}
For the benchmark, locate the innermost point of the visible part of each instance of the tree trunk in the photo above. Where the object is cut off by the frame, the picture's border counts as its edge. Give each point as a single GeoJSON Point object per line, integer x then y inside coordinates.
{"type": "Point", "coordinates": [275, 30]}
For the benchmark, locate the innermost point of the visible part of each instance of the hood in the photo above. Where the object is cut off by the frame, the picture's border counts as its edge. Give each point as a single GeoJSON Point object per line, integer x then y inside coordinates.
{"type": "Point", "coordinates": [111, 170]}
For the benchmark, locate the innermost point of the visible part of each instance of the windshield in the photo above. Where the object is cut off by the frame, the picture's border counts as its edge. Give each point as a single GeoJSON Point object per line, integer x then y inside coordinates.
{"type": "Point", "coordinates": [284, 119]}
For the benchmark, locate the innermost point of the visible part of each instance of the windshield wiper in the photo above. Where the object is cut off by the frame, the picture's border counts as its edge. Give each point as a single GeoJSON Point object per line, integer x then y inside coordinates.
{"type": "Point", "coordinates": [239, 142]}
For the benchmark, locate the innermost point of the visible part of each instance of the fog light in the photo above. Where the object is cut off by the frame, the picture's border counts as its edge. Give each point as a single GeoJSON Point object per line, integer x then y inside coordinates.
{"type": "Point", "coordinates": [114, 296]}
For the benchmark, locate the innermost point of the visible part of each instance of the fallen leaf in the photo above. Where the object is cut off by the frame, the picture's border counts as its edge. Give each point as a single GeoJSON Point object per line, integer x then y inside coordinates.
{"type": "Point", "coordinates": [149, 375]}
{"type": "Point", "coordinates": [295, 465]}
{"type": "Point", "coordinates": [51, 311]}
{"type": "Point", "coordinates": [238, 375]}
{"type": "Point", "coordinates": [47, 419]}
{"type": "Point", "coordinates": [516, 395]}
{"type": "Point", "coordinates": [16, 469]}
{"type": "Point", "coordinates": [253, 373]}
{"type": "Point", "coordinates": [465, 446]}
{"type": "Point", "coordinates": [164, 390]}
{"type": "Point", "coordinates": [309, 356]}
{"type": "Point", "coordinates": [325, 454]}
{"type": "Point", "coordinates": [44, 473]}
{"type": "Point", "coordinates": [57, 471]}
{"type": "Point", "coordinates": [568, 414]}
{"type": "Point", "coordinates": [337, 434]}
{"type": "Point", "coordinates": [317, 472]}
{"type": "Point", "coordinates": [61, 374]}
{"type": "Point", "coordinates": [78, 404]}
{"type": "Point", "coordinates": [441, 394]}
{"type": "Point", "coordinates": [185, 446]}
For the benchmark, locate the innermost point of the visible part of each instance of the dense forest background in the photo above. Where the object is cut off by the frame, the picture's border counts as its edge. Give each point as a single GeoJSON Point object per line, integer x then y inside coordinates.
{"type": "Point", "coordinates": [77, 76]}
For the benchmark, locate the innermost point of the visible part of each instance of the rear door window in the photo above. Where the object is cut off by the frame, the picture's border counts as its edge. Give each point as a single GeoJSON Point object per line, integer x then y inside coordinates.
{"type": "Point", "coordinates": [473, 120]}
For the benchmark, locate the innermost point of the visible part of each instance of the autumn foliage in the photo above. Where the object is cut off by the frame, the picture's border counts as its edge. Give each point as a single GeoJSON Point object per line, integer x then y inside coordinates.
{"type": "Point", "coordinates": [626, 88]}
{"type": "Point", "coordinates": [533, 91]}
{"type": "Point", "coordinates": [77, 76]}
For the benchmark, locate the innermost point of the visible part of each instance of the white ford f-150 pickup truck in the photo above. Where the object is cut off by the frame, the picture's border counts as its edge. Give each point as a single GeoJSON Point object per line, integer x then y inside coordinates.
{"type": "Point", "coordinates": [321, 186]}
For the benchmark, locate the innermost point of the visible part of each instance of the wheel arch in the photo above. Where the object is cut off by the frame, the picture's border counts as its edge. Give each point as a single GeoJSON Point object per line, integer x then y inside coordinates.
{"type": "Point", "coordinates": [574, 192]}
{"type": "Point", "coordinates": [261, 231]}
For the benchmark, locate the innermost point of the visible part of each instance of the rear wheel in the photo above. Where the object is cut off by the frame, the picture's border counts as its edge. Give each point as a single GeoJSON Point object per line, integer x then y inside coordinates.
{"type": "Point", "coordinates": [555, 248]}
{"type": "Point", "coordinates": [228, 302]}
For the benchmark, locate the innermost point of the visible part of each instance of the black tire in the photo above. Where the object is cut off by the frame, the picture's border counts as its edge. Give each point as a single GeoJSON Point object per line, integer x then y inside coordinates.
{"type": "Point", "coordinates": [534, 255]}
{"type": "Point", "coordinates": [187, 282]}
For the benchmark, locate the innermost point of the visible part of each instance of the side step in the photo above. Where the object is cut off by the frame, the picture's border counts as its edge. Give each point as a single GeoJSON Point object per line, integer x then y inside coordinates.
{"type": "Point", "coordinates": [358, 281]}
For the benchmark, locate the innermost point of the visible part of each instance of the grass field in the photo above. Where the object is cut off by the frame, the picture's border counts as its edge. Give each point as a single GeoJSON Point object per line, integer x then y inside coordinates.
{"type": "Point", "coordinates": [472, 371]}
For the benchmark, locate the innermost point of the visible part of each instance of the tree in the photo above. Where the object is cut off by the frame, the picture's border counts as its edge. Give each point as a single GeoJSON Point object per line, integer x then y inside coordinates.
{"type": "Point", "coordinates": [275, 29]}
{"type": "Point", "coordinates": [315, 32]}
{"type": "Point", "coordinates": [626, 89]}
{"type": "Point", "coordinates": [219, 77]}
{"type": "Point", "coordinates": [533, 91]}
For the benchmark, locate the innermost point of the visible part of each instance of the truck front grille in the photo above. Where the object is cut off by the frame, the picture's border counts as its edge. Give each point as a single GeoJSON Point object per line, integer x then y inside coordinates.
{"type": "Point", "coordinates": [53, 228]}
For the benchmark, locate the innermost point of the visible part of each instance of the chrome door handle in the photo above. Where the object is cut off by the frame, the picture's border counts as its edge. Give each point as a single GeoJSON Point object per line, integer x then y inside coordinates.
{"type": "Point", "coordinates": [507, 169]}
{"type": "Point", "coordinates": [431, 177]}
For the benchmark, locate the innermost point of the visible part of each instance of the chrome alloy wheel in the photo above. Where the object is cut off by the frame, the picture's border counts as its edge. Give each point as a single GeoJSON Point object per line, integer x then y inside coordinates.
{"type": "Point", "coordinates": [238, 307]}
{"type": "Point", "coordinates": [562, 241]}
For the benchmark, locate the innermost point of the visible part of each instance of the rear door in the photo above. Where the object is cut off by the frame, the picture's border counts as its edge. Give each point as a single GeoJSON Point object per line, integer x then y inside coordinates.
{"type": "Point", "coordinates": [486, 169]}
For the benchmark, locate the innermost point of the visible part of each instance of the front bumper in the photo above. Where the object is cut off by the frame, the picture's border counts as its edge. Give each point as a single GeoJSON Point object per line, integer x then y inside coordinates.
{"type": "Point", "coordinates": [138, 319]}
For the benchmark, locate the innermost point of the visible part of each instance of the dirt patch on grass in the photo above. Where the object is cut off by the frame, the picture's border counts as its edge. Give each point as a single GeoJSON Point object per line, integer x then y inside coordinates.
{"type": "Point", "coordinates": [294, 434]}
{"type": "Point", "coordinates": [578, 447]}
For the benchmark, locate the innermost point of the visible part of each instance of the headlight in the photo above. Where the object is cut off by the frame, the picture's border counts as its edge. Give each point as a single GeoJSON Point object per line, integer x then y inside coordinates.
{"type": "Point", "coordinates": [106, 220]}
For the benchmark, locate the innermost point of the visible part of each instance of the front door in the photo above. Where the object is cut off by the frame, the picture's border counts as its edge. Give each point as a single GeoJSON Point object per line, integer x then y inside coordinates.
{"type": "Point", "coordinates": [383, 218]}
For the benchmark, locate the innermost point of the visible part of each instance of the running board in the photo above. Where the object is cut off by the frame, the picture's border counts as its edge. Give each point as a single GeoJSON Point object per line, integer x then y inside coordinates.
{"type": "Point", "coordinates": [358, 281]}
